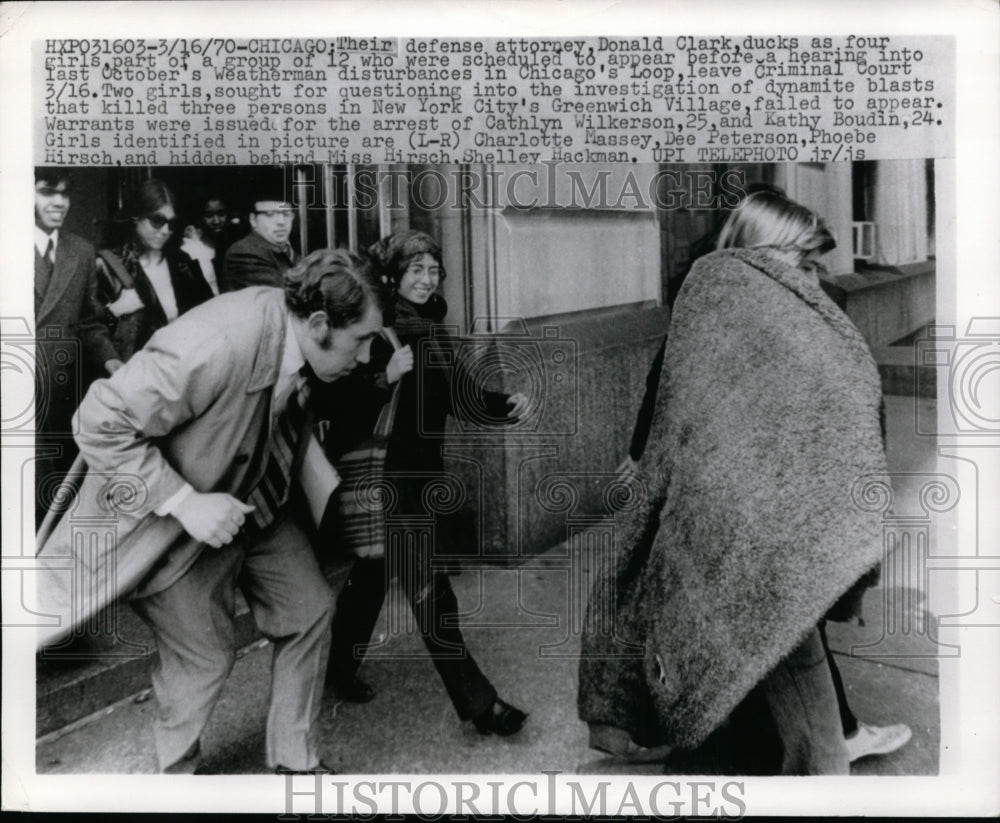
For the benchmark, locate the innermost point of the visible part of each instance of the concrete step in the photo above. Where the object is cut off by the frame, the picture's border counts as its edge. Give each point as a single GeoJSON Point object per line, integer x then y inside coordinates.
{"type": "Point", "coordinates": [114, 659]}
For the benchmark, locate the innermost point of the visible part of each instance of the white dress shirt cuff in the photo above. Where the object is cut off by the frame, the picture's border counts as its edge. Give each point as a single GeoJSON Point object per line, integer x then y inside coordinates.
{"type": "Point", "coordinates": [169, 506]}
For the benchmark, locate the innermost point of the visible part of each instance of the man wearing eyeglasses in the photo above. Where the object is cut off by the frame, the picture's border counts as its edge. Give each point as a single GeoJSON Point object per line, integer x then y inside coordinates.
{"type": "Point", "coordinates": [264, 255]}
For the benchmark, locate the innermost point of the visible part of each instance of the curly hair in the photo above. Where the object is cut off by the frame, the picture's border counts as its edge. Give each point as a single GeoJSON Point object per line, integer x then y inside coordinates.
{"type": "Point", "coordinates": [395, 253]}
{"type": "Point", "coordinates": [53, 175]}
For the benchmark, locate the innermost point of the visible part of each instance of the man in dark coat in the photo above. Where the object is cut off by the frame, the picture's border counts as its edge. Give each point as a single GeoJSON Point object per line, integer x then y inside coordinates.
{"type": "Point", "coordinates": [68, 330]}
{"type": "Point", "coordinates": [265, 254]}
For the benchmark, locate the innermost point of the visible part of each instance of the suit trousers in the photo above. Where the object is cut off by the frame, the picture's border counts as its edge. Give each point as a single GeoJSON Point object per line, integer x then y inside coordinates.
{"type": "Point", "coordinates": [194, 624]}
{"type": "Point", "coordinates": [435, 607]}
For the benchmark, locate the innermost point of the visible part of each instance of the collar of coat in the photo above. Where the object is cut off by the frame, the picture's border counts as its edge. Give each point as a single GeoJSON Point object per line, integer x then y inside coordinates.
{"type": "Point", "coordinates": [271, 343]}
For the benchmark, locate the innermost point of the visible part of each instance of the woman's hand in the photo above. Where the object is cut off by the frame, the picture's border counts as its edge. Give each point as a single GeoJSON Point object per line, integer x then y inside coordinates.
{"type": "Point", "coordinates": [399, 364]}
{"type": "Point", "coordinates": [128, 301]}
{"type": "Point", "coordinates": [519, 402]}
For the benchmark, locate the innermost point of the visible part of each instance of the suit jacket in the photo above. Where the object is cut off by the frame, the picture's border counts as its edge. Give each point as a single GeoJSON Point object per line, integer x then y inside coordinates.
{"type": "Point", "coordinates": [69, 330]}
{"type": "Point", "coordinates": [131, 332]}
{"type": "Point", "coordinates": [192, 406]}
{"type": "Point", "coordinates": [253, 261]}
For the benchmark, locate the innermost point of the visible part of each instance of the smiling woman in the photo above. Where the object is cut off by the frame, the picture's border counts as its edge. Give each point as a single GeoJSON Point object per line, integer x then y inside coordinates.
{"type": "Point", "coordinates": [422, 398]}
{"type": "Point", "coordinates": [420, 280]}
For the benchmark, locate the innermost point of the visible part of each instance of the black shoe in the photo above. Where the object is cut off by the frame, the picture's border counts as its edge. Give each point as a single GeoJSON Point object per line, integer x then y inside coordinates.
{"type": "Point", "coordinates": [353, 689]}
{"type": "Point", "coordinates": [322, 768]}
{"type": "Point", "coordinates": [500, 718]}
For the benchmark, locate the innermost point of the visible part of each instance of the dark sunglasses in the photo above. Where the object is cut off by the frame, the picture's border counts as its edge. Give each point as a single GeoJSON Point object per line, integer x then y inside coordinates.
{"type": "Point", "coordinates": [158, 221]}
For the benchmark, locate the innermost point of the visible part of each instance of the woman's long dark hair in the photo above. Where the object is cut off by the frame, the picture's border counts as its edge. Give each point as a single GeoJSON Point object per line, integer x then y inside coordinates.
{"type": "Point", "coordinates": [149, 198]}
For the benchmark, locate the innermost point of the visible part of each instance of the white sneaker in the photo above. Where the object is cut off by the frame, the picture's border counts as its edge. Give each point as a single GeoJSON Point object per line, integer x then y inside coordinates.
{"type": "Point", "coordinates": [869, 740]}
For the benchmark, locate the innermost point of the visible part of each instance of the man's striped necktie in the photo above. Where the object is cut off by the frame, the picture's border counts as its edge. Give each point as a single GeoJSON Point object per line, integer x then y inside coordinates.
{"type": "Point", "coordinates": [271, 492]}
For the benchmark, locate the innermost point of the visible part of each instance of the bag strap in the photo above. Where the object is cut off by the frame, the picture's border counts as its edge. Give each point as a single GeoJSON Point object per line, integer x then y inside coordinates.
{"type": "Point", "coordinates": [390, 334]}
{"type": "Point", "coordinates": [386, 418]}
{"type": "Point", "coordinates": [116, 265]}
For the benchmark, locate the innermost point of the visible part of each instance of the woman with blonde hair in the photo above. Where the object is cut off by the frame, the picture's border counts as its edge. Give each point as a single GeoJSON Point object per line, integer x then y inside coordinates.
{"type": "Point", "coordinates": [766, 424]}
{"type": "Point", "coordinates": [766, 219]}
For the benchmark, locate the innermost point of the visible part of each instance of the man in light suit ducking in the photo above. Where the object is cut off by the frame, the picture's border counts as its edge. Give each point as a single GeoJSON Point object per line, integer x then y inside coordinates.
{"type": "Point", "coordinates": [191, 448]}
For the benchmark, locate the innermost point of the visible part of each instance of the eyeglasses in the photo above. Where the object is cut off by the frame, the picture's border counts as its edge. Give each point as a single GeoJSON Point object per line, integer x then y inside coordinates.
{"type": "Point", "coordinates": [418, 272]}
{"type": "Point", "coordinates": [158, 221]}
{"type": "Point", "coordinates": [272, 213]}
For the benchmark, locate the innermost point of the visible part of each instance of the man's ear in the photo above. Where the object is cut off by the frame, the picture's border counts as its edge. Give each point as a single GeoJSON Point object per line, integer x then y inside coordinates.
{"type": "Point", "coordinates": [319, 326]}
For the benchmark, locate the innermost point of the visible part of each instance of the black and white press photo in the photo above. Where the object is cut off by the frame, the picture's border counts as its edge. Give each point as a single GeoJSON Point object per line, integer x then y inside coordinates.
{"type": "Point", "coordinates": [529, 420]}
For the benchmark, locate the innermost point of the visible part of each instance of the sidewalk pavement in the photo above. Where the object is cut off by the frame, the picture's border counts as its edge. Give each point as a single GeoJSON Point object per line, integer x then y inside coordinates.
{"type": "Point", "coordinates": [522, 626]}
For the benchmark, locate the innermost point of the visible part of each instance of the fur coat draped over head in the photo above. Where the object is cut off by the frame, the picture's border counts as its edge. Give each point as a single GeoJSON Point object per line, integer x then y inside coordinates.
{"type": "Point", "coordinates": [766, 425]}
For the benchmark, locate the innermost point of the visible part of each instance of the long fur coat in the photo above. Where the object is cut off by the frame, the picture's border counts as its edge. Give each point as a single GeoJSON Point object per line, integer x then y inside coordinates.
{"type": "Point", "coordinates": [766, 423]}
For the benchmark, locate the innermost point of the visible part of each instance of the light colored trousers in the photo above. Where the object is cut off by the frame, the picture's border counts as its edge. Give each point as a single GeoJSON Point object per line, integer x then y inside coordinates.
{"type": "Point", "coordinates": [194, 624]}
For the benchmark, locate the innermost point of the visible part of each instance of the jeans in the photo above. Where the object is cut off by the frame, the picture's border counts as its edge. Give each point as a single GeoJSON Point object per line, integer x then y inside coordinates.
{"type": "Point", "coordinates": [788, 724]}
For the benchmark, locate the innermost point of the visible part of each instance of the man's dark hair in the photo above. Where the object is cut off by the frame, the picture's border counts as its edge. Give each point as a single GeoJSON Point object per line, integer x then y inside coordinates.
{"type": "Point", "coordinates": [336, 282]}
{"type": "Point", "coordinates": [53, 175]}
{"type": "Point", "coordinates": [271, 189]}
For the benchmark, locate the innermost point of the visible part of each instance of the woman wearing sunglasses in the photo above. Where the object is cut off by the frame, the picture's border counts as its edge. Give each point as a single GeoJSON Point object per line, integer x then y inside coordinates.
{"type": "Point", "coordinates": [146, 281]}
